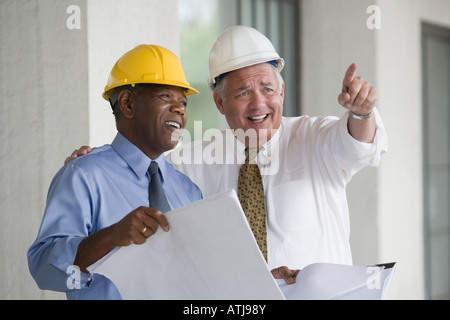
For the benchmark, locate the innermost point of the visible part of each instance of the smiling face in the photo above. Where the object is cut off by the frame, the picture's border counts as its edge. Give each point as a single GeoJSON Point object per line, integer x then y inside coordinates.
{"type": "Point", "coordinates": [252, 100]}
{"type": "Point", "coordinates": [154, 117]}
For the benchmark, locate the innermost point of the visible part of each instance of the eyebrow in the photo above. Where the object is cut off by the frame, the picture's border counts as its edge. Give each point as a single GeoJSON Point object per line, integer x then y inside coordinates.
{"type": "Point", "coordinates": [264, 84]}
{"type": "Point", "coordinates": [243, 88]}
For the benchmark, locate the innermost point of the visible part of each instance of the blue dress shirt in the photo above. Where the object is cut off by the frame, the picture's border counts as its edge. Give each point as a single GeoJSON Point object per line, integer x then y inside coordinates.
{"type": "Point", "coordinates": [90, 193]}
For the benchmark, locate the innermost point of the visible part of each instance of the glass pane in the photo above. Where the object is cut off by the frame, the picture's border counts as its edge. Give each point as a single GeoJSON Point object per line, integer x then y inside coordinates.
{"type": "Point", "coordinates": [436, 66]}
{"type": "Point", "coordinates": [199, 30]}
{"type": "Point", "coordinates": [260, 18]}
{"type": "Point", "coordinates": [246, 12]}
{"type": "Point", "coordinates": [278, 20]}
{"type": "Point", "coordinates": [289, 53]}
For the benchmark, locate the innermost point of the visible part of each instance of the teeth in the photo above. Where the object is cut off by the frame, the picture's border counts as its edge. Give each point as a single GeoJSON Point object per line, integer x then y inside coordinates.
{"type": "Point", "coordinates": [258, 117]}
{"type": "Point", "coordinates": [173, 124]}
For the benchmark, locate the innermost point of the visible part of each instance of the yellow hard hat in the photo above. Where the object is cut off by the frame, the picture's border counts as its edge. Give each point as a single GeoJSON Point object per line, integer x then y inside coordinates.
{"type": "Point", "coordinates": [147, 64]}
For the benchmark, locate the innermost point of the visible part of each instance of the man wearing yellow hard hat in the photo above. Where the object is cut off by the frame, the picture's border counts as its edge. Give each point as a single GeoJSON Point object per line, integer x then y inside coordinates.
{"type": "Point", "coordinates": [117, 195]}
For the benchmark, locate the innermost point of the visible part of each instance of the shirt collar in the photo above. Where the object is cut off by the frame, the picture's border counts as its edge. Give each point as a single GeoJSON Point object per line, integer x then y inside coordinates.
{"type": "Point", "coordinates": [271, 146]}
{"type": "Point", "coordinates": [161, 160]}
{"type": "Point", "coordinates": [134, 157]}
{"type": "Point", "coordinates": [266, 152]}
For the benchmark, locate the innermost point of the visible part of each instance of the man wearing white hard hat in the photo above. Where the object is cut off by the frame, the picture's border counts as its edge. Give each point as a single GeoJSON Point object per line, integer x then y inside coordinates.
{"type": "Point", "coordinates": [304, 162]}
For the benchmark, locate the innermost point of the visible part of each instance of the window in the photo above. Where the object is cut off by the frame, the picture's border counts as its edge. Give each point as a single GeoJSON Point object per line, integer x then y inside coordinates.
{"type": "Point", "coordinates": [199, 30]}
{"type": "Point", "coordinates": [436, 138]}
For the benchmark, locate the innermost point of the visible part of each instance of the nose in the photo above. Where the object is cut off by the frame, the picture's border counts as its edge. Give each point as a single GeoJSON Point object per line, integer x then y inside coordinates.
{"type": "Point", "coordinates": [258, 100]}
{"type": "Point", "coordinates": [178, 107]}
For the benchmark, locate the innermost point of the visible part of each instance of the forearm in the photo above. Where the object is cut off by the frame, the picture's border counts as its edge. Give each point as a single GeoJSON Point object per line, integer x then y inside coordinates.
{"type": "Point", "coordinates": [135, 228]}
{"type": "Point", "coordinates": [94, 247]}
{"type": "Point", "coordinates": [362, 130]}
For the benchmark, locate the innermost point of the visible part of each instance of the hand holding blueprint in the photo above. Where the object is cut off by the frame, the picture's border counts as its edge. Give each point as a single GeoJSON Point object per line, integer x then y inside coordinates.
{"type": "Point", "coordinates": [328, 281]}
{"type": "Point", "coordinates": [210, 254]}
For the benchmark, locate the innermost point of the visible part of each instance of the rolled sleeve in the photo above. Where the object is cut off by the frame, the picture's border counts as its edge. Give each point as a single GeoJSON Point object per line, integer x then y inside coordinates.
{"type": "Point", "coordinates": [65, 224]}
{"type": "Point", "coordinates": [351, 154]}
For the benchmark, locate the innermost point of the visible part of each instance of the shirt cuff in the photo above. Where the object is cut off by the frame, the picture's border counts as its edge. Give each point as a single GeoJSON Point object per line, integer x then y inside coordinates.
{"type": "Point", "coordinates": [63, 255]}
{"type": "Point", "coordinates": [367, 153]}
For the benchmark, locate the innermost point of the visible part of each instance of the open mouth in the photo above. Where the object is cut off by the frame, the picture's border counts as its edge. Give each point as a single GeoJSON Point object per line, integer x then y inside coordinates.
{"type": "Point", "coordinates": [174, 124]}
{"type": "Point", "coordinates": [260, 118]}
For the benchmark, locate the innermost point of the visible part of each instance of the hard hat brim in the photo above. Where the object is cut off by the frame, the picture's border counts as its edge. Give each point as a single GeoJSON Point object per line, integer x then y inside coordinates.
{"type": "Point", "coordinates": [188, 89]}
{"type": "Point", "coordinates": [234, 65]}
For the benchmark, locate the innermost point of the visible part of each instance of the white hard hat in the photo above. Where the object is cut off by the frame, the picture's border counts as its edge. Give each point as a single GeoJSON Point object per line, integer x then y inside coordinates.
{"type": "Point", "coordinates": [239, 47]}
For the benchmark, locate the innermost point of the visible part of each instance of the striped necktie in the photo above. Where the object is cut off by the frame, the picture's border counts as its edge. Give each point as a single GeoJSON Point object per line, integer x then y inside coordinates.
{"type": "Point", "coordinates": [251, 196]}
{"type": "Point", "coordinates": [156, 193]}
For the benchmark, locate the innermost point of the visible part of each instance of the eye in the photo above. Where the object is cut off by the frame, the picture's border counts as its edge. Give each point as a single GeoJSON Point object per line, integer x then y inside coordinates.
{"type": "Point", "coordinates": [164, 97]}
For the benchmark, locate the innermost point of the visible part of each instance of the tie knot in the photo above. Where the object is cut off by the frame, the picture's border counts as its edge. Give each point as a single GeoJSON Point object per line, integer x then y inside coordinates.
{"type": "Point", "coordinates": [250, 155]}
{"type": "Point", "coordinates": [153, 168]}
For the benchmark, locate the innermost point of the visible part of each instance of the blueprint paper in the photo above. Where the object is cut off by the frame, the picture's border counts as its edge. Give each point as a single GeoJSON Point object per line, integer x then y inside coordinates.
{"type": "Point", "coordinates": [209, 253]}
{"type": "Point", "coordinates": [327, 281]}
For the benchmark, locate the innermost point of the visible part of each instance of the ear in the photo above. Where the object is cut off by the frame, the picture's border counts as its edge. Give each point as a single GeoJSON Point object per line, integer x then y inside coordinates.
{"type": "Point", "coordinates": [126, 101]}
{"type": "Point", "coordinates": [219, 102]}
{"type": "Point", "coordinates": [282, 92]}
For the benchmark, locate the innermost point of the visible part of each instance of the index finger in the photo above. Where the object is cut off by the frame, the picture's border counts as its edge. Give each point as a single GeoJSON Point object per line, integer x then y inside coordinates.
{"type": "Point", "coordinates": [349, 76]}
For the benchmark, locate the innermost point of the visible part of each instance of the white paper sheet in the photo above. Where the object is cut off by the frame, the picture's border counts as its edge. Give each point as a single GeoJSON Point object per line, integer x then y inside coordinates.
{"type": "Point", "coordinates": [209, 253]}
{"type": "Point", "coordinates": [326, 281]}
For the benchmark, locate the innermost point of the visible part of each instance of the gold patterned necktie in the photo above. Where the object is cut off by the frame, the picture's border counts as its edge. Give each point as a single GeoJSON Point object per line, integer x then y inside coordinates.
{"type": "Point", "coordinates": [251, 196]}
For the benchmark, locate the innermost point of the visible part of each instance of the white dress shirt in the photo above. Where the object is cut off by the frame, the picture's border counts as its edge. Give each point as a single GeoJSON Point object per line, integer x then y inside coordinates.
{"type": "Point", "coordinates": [305, 167]}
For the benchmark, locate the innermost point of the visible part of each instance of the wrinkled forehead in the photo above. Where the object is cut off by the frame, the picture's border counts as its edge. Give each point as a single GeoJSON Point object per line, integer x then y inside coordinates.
{"type": "Point", "coordinates": [260, 74]}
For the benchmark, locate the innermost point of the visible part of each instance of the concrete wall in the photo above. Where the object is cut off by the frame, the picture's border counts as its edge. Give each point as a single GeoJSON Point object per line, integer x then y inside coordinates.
{"type": "Point", "coordinates": [44, 85]}
{"type": "Point", "coordinates": [386, 203]}
{"type": "Point", "coordinates": [51, 81]}
{"type": "Point", "coordinates": [401, 216]}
